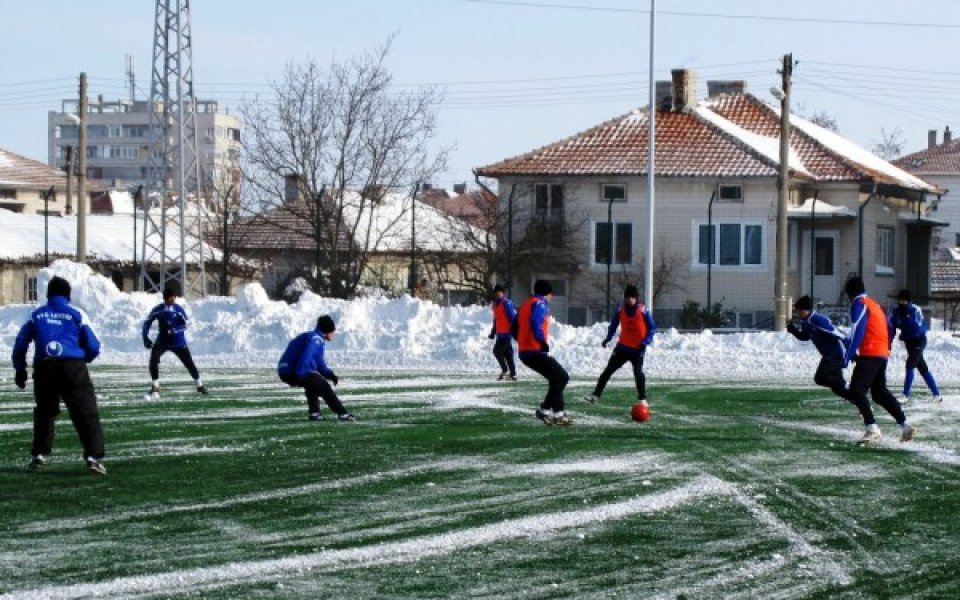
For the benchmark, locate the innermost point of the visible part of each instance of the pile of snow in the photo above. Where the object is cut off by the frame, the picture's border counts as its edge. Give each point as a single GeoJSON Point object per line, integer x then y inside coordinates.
{"type": "Point", "coordinates": [414, 335]}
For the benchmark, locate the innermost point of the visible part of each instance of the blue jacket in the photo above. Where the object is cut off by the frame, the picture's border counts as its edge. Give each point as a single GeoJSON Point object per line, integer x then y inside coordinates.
{"type": "Point", "coordinates": [304, 354]}
{"type": "Point", "coordinates": [819, 329]}
{"type": "Point", "coordinates": [631, 311]}
{"type": "Point", "coordinates": [908, 318]}
{"type": "Point", "coordinates": [172, 323]}
{"type": "Point", "coordinates": [60, 330]}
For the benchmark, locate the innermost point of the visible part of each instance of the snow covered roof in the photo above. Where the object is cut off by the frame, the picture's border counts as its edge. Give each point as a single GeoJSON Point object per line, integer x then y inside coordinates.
{"type": "Point", "coordinates": [109, 238]}
{"type": "Point", "coordinates": [731, 135]}
{"type": "Point", "coordinates": [819, 209]}
{"type": "Point", "coordinates": [942, 159]}
{"type": "Point", "coordinates": [21, 172]}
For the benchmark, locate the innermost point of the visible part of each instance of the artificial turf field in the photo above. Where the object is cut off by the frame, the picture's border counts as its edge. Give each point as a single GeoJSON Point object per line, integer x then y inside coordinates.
{"type": "Point", "coordinates": [448, 487]}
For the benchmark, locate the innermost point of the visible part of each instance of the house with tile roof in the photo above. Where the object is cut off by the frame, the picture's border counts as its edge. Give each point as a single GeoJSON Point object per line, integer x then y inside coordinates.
{"type": "Point", "coordinates": [24, 182]}
{"type": "Point", "coordinates": [717, 167]}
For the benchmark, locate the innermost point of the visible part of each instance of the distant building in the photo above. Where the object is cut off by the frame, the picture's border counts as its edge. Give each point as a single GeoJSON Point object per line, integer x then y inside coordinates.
{"type": "Point", "coordinates": [118, 137]}
{"type": "Point", "coordinates": [24, 182]}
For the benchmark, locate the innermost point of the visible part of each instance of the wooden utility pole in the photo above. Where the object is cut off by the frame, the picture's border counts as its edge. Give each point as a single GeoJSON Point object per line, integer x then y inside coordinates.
{"type": "Point", "coordinates": [68, 208]}
{"type": "Point", "coordinates": [82, 175]}
{"type": "Point", "coordinates": [781, 302]}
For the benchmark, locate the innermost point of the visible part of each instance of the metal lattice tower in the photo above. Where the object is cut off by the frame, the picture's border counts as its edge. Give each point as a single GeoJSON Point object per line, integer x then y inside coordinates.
{"type": "Point", "coordinates": [171, 236]}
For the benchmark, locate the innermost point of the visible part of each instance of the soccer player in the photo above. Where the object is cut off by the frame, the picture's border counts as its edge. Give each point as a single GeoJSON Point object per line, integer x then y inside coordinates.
{"type": "Point", "coordinates": [636, 333]}
{"type": "Point", "coordinates": [504, 314]}
{"type": "Point", "coordinates": [533, 333]}
{"type": "Point", "coordinates": [302, 365]}
{"type": "Point", "coordinates": [869, 346]}
{"type": "Point", "coordinates": [908, 318]}
{"type": "Point", "coordinates": [817, 328]}
{"type": "Point", "coordinates": [171, 321]}
{"type": "Point", "coordinates": [63, 345]}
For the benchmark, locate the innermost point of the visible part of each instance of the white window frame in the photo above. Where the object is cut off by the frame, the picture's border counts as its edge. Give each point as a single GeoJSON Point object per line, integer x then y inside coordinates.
{"type": "Point", "coordinates": [695, 263]}
{"type": "Point", "coordinates": [886, 254]}
{"type": "Point", "coordinates": [549, 212]}
{"type": "Point", "coordinates": [593, 243]}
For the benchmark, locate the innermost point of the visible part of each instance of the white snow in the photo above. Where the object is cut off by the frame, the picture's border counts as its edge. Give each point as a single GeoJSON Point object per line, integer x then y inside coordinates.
{"type": "Point", "coordinates": [406, 334]}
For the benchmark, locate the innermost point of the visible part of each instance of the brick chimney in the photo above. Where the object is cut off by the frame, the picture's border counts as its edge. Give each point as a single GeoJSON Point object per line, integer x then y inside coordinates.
{"type": "Point", "coordinates": [947, 135]}
{"type": "Point", "coordinates": [728, 86]}
{"type": "Point", "coordinates": [684, 89]}
{"type": "Point", "coordinates": [931, 138]}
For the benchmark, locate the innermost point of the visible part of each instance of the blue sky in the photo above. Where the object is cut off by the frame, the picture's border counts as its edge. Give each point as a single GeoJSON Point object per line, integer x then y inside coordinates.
{"type": "Point", "coordinates": [516, 74]}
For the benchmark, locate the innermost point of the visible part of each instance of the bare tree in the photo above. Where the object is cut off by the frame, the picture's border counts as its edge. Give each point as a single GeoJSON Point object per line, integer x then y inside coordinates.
{"type": "Point", "coordinates": [890, 145]}
{"type": "Point", "coordinates": [670, 271]}
{"type": "Point", "coordinates": [823, 119]}
{"type": "Point", "coordinates": [338, 140]}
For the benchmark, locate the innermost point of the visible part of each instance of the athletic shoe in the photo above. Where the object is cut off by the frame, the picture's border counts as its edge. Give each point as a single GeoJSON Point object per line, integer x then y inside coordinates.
{"type": "Point", "coordinates": [903, 399]}
{"type": "Point", "coordinates": [346, 418]}
{"type": "Point", "coordinates": [938, 399]}
{"type": "Point", "coordinates": [546, 417]}
{"type": "Point", "coordinates": [502, 376]}
{"type": "Point", "coordinates": [908, 432]}
{"type": "Point", "coordinates": [510, 378]}
{"type": "Point", "coordinates": [202, 389]}
{"type": "Point", "coordinates": [563, 420]}
{"type": "Point", "coordinates": [37, 463]}
{"type": "Point", "coordinates": [592, 398]}
{"type": "Point", "coordinates": [96, 467]}
{"type": "Point", "coordinates": [154, 389]}
{"type": "Point", "coordinates": [315, 417]}
{"type": "Point", "coordinates": [869, 437]}
{"type": "Point", "coordinates": [643, 401]}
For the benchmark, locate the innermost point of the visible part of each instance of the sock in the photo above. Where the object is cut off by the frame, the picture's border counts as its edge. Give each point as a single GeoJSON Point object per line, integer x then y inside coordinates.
{"type": "Point", "coordinates": [198, 382]}
{"type": "Point", "coordinates": [904, 426]}
{"type": "Point", "coordinates": [874, 427]}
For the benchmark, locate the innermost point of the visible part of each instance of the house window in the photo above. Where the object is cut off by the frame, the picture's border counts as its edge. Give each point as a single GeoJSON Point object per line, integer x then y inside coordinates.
{"type": "Point", "coordinates": [549, 200]}
{"type": "Point", "coordinates": [956, 240]}
{"type": "Point", "coordinates": [97, 130]}
{"type": "Point", "coordinates": [730, 193]}
{"type": "Point", "coordinates": [8, 193]}
{"type": "Point", "coordinates": [613, 192]}
{"type": "Point", "coordinates": [30, 289]}
{"type": "Point", "coordinates": [885, 250]}
{"type": "Point", "coordinates": [622, 243]}
{"type": "Point", "coordinates": [734, 245]}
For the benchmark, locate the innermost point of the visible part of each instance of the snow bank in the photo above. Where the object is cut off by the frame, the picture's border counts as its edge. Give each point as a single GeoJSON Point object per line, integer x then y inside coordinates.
{"type": "Point", "coordinates": [413, 335]}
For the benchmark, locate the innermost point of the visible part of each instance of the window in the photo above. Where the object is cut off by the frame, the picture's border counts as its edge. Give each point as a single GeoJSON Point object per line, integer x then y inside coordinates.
{"type": "Point", "coordinates": [956, 240]}
{"type": "Point", "coordinates": [622, 243]}
{"type": "Point", "coordinates": [733, 245]}
{"type": "Point", "coordinates": [885, 252]}
{"type": "Point", "coordinates": [134, 131]}
{"type": "Point", "coordinates": [30, 289]}
{"type": "Point", "coordinates": [116, 131]}
{"type": "Point", "coordinates": [729, 193]}
{"type": "Point", "coordinates": [616, 192]}
{"type": "Point", "coordinates": [97, 130]}
{"type": "Point", "coordinates": [823, 251]}
{"type": "Point", "coordinates": [549, 200]}
{"type": "Point", "coordinates": [8, 193]}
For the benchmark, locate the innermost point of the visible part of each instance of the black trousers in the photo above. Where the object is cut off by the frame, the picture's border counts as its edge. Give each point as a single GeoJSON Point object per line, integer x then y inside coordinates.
{"type": "Point", "coordinates": [830, 375]}
{"type": "Point", "coordinates": [555, 374]}
{"type": "Point", "coordinates": [503, 352]}
{"type": "Point", "coordinates": [67, 380]}
{"type": "Point", "coordinates": [915, 355]}
{"type": "Point", "coordinates": [316, 387]}
{"type": "Point", "coordinates": [617, 360]}
{"type": "Point", "coordinates": [870, 373]}
{"type": "Point", "coordinates": [182, 353]}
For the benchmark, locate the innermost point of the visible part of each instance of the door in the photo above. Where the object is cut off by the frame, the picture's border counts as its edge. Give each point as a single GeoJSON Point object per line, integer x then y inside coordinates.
{"type": "Point", "coordinates": [823, 285]}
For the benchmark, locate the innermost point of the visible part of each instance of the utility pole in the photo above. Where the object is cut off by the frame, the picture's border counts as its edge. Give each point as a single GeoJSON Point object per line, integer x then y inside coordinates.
{"type": "Point", "coordinates": [68, 208]}
{"type": "Point", "coordinates": [413, 240]}
{"type": "Point", "coordinates": [781, 301]}
{"type": "Point", "coordinates": [651, 164]}
{"type": "Point", "coordinates": [82, 175]}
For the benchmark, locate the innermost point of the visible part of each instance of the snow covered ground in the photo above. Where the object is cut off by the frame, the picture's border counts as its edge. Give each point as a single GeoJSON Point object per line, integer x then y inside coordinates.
{"type": "Point", "coordinates": [405, 334]}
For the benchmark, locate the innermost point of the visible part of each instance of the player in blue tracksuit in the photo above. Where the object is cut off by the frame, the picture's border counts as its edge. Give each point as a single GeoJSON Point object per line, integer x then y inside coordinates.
{"type": "Point", "coordinates": [908, 318]}
{"type": "Point", "coordinates": [172, 325]}
{"type": "Point", "coordinates": [302, 365]}
{"type": "Point", "coordinates": [817, 328]}
{"type": "Point", "coordinates": [63, 345]}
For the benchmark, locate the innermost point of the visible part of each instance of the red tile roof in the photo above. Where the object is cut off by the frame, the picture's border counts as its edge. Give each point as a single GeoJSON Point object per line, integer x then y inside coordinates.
{"type": "Point", "coordinates": [731, 135]}
{"type": "Point", "coordinates": [21, 172]}
{"type": "Point", "coordinates": [943, 159]}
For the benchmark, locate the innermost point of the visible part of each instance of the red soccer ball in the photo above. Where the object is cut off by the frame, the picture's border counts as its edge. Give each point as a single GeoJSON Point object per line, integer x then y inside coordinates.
{"type": "Point", "coordinates": [640, 412]}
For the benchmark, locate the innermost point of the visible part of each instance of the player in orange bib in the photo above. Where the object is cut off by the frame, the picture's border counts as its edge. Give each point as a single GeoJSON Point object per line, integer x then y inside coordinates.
{"type": "Point", "coordinates": [636, 333]}
{"type": "Point", "coordinates": [533, 331]}
{"type": "Point", "coordinates": [504, 314]}
{"type": "Point", "coordinates": [869, 347]}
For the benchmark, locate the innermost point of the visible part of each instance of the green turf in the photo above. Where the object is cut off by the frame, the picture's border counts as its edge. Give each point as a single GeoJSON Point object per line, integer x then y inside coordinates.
{"type": "Point", "coordinates": [448, 487]}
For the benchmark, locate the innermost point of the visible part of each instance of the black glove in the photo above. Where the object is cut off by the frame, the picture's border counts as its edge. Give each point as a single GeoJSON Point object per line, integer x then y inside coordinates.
{"type": "Point", "coordinates": [544, 347]}
{"type": "Point", "coordinates": [333, 377]}
{"type": "Point", "coordinates": [792, 328]}
{"type": "Point", "coordinates": [147, 343]}
{"type": "Point", "coordinates": [20, 378]}
{"type": "Point", "coordinates": [492, 335]}
{"type": "Point", "coordinates": [604, 343]}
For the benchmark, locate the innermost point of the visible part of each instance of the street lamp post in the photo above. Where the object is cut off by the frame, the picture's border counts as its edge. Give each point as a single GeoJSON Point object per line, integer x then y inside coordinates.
{"type": "Point", "coordinates": [609, 247]}
{"type": "Point", "coordinates": [46, 231]}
